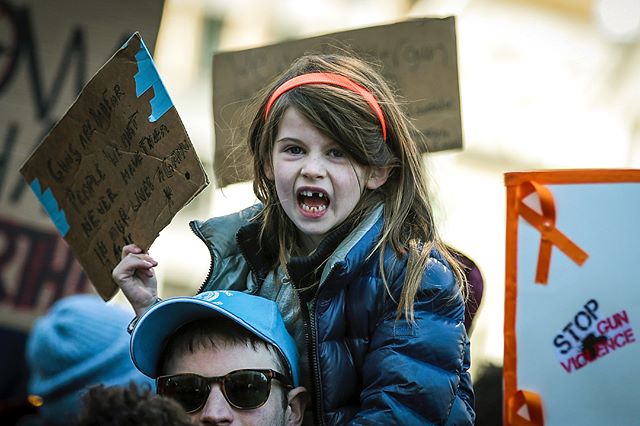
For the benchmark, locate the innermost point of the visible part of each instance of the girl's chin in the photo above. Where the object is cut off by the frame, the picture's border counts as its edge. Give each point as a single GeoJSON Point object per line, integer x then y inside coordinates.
{"type": "Point", "coordinates": [313, 231]}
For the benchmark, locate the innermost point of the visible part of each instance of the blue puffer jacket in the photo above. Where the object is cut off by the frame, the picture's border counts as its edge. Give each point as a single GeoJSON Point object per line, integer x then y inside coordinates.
{"type": "Point", "coordinates": [365, 367]}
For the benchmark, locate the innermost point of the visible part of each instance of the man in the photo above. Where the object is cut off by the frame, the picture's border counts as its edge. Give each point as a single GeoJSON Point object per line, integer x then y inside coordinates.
{"type": "Point", "coordinates": [225, 356]}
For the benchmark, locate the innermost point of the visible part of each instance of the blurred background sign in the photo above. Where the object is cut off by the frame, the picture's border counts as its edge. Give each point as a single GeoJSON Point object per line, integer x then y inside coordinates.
{"type": "Point", "coordinates": [48, 52]}
{"type": "Point", "coordinates": [418, 57]}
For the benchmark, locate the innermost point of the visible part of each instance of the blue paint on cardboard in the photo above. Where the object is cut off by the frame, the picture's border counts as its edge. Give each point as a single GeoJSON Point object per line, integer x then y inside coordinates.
{"type": "Point", "coordinates": [50, 204]}
{"type": "Point", "coordinates": [147, 77]}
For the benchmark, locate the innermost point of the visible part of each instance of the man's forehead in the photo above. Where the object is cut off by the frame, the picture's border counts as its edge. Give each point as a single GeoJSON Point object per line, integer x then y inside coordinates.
{"type": "Point", "coordinates": [223, 357]}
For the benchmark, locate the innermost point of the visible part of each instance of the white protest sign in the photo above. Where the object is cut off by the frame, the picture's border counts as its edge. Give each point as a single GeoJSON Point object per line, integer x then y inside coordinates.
{"type": "Point", "coordinates": [572, 297]}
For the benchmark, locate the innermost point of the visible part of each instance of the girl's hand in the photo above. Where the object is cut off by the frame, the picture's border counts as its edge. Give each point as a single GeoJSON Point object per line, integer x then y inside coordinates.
{"type": "Point", "coordinates": [136, 278]}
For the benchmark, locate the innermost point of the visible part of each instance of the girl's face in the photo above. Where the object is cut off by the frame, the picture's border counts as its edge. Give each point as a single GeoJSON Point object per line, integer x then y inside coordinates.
{"type": "Point", "coordinates": [317, 184]}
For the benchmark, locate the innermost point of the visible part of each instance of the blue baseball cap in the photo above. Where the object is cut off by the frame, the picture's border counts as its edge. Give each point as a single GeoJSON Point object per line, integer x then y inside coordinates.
{"type": "Point", "coordinates": [257, 314]}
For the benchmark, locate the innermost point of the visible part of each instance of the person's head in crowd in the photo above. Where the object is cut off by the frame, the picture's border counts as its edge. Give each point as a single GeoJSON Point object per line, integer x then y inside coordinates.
{"type": "Point", "coordinates": [81, 342]}
{"type": "Point", "coordinates": [225, 356]}
{"type": "Point", "coordinates": [130, 406]}
{"type": "Point", "coordinates": [488, 391]}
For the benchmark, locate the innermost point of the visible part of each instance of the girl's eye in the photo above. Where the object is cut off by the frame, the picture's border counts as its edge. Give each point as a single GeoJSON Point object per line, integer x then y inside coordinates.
{"type": "Point", "coordinates": [294, 150]}
{"type": "Point", "coordinates": [336, 153]}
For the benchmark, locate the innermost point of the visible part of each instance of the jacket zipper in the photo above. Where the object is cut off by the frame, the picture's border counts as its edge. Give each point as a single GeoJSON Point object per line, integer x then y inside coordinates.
{"type": "Point", "coordinates": [196, 231]}
{"type": "Point", "coordinates": [310, 319]}
{"type": "Point", "coordinates": [315, 380]}
{"type": "Point", "coordinates": [316, 363]}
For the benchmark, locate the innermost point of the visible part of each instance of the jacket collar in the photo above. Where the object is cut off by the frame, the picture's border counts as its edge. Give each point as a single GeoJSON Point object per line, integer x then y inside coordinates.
{"type": "Point", "coordinates": [259, 261]}
{"type": "Point", "coordinates": [355, 248]}
{"type": "Point", "coordinates": [240, 228]}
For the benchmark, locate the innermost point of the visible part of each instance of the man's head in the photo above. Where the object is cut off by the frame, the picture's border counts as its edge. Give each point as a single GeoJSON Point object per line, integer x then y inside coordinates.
{"type": "Point", "coordinates": [225, 356]}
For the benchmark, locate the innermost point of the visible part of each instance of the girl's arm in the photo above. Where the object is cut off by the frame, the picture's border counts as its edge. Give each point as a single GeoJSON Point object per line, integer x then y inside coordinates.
{"type": "Point", "coordinates": [419, 374]}
{"type": "Point", "coordinates": [136, 278]}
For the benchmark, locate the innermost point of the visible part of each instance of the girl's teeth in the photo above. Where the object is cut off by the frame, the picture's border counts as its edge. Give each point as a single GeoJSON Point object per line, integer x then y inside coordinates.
{"type": "Point", "coordinates": [313, 209]}
{"type": "Point", "coordinates": [312, 194]}
{"type": "Point", "coordinates": [313, 201]}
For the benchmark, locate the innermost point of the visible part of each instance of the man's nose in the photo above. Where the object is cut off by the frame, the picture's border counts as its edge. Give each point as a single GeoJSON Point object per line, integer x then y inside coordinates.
{"type": "Point", "coordinates": [216, 410]}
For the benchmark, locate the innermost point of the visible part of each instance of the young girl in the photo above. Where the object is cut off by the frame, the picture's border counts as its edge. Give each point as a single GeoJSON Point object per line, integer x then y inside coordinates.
{"type": "Point", "coordinates": [345, 242]}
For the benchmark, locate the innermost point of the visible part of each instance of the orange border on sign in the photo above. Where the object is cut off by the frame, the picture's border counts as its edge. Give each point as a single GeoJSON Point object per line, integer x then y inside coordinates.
{"type": "Point", "coordinates": [512, 182]}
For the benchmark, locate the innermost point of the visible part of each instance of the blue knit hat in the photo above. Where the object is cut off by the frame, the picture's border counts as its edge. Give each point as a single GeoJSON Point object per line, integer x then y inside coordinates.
{"type": "Point", "coordinates": [82, 341]}
{"type": "Point", "coordinates": [258, 315]}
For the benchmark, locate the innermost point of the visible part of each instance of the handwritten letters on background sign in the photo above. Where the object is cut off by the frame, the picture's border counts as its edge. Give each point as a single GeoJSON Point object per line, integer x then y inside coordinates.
{"type": "Point", "coordinates": [118, 166]}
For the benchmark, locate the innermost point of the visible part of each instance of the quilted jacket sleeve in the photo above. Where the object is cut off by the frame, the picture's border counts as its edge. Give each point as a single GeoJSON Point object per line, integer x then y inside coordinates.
{"type": "Point", "coordinates": [418, 374]}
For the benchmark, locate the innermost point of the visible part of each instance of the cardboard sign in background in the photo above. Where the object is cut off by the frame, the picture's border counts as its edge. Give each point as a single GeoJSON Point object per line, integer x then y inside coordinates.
{"type": "Point", "coordinates": [50, 49]}
{"type": "Point", "coordinates": [118, 166]}
{"type": "Point", "coordinates": [419, 58]}
{"type": "Point", "coordinates": [575, 341]}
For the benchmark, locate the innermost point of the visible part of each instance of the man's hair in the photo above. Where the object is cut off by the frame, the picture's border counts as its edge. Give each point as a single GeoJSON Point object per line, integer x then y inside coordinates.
{"type": "Point", "coordinates": [217, 333]}
{"type": "Point", "coordinates": [130, 406]}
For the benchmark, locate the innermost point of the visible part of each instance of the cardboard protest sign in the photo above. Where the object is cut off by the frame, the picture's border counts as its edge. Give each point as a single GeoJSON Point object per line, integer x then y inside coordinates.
{"type": "Point", "coordinates": [418, 57]}
{"type": "Point", "coordinates": [118, 166]}
{"type": "Point", "coordinates": [572, 298]}
{"type": "Point", "coordinates": [49, 52]}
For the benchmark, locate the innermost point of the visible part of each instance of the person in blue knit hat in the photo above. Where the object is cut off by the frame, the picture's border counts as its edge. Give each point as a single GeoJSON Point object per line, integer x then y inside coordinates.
{"type": "Point", "coordinates": [81, 342]}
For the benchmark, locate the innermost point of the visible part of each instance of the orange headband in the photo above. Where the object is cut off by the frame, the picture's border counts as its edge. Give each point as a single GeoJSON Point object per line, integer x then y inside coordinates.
{"type": "Point", "coordinates": [327, 78]}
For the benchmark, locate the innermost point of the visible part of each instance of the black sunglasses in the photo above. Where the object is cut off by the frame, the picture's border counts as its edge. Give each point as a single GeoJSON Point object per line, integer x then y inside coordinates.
{"type": "Point", "coordinates": [243, 389]}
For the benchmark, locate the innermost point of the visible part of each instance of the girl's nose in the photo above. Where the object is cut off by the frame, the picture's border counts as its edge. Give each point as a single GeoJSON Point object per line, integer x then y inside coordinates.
{"type": "Point", "coordinates": [313, 168]}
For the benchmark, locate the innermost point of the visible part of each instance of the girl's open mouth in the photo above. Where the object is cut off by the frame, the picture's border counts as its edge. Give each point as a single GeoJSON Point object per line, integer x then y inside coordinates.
{"type": "Point", "coordinates": [313, 201]}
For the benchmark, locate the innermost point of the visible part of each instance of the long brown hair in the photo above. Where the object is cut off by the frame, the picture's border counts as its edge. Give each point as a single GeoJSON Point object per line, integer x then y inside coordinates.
{"type": "Point", "coordinates": [347, 118]}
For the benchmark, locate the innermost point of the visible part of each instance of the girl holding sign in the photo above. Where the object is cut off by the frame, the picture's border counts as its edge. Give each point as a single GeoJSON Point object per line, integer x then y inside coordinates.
{"type": "Point", "coordinates": [345, 242]}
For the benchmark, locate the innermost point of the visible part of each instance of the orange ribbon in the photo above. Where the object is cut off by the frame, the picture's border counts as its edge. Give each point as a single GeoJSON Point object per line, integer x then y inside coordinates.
{"type": "Point", "coordinates": [534, 405]}
{"type": "Point", "coordinates": [549, 234]}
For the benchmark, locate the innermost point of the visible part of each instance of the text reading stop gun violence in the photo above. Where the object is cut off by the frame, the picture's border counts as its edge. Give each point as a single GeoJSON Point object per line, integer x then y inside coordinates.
{"type": "Point", "coordinates": [592, 336]}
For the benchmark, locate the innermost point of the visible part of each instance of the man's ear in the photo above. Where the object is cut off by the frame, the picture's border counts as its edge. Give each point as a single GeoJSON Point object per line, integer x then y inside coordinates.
{"type": "Point", "coordinates": [297, 400]}
{"type": "Point", "coordinates": [377, 177]}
